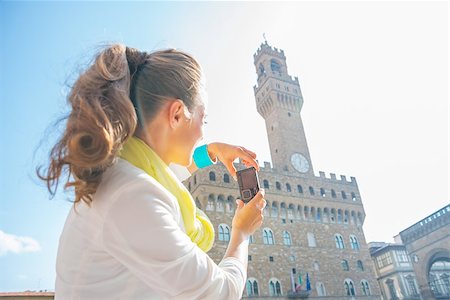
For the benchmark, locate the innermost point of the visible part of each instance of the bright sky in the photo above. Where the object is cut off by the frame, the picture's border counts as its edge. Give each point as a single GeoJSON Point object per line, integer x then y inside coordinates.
{"type": "Point", "coordinates": [374, 77]}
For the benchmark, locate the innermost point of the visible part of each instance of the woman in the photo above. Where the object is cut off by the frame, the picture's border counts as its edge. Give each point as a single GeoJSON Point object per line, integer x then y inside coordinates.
{"type": "Point", "coordinates": [134, 232]}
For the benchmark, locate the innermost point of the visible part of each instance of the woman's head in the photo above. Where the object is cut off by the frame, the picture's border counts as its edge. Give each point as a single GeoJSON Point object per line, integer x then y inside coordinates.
{"type": "Point", "coordinates": [113, 99]}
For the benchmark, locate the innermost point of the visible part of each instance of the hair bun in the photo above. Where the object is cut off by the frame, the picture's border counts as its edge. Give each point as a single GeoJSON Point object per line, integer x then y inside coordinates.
{"type": "Point", "coordinates": [135, 59]}
{"type": "Point", "coordinates": [90, 147]}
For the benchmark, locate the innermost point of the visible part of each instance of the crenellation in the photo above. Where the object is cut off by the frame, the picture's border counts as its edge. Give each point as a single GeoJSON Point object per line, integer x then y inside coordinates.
{"type": "Point", "coordinates": [343, 178]}
{"type": "Point", "coordinates": [332, 176]}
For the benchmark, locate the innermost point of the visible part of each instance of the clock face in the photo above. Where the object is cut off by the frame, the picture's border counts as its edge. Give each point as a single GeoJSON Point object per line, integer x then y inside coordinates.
{"type": "Point", "coordinates": [299, 162]}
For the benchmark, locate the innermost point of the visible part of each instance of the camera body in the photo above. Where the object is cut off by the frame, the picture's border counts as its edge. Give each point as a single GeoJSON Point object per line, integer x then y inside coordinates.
{"type": "Point", "coordinates": [248, 183]}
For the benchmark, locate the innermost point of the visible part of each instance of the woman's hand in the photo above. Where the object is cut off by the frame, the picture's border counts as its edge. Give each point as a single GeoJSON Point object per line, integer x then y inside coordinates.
{"type": "Point", "coordinates": [248, 218]}
{"type": "Point", "coordinates": [227, 153]}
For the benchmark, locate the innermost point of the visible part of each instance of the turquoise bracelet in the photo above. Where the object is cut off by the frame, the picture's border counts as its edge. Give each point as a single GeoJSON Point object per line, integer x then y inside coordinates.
{"type": "Point", "coordinates": [201, 157]}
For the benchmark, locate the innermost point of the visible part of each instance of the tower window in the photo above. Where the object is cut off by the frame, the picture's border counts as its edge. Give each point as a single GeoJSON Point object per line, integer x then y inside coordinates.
{"type": "Point", "coordinates": [311, 190]}
{"type": "Point", "coordinates": [344, 195]}
{"type": "Point", "coordinates": [289, 114]}
{"type": "Point", "coordinates": [322, 192]}
{"type": "Point", "coordinates": [299, 189]}
{"type": "Point", "coordinates": [275, 66]}
{"type": "Point", "coordinates": [333, 193]}
{"type": "Point", "coordinates": [266, 184]}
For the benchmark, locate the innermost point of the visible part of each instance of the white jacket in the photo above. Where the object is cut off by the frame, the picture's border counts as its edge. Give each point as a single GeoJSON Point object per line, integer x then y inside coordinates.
{"type": "Point", "coordinates": [131, 244]}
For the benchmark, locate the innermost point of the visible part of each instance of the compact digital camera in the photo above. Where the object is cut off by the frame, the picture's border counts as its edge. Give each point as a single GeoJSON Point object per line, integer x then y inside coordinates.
{"type": "Point", "coordinates": [248, 183]}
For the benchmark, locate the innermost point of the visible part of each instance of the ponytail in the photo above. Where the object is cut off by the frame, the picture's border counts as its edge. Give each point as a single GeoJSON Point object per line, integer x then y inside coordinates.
{"type": "Point", "coordinates": [101, 120]}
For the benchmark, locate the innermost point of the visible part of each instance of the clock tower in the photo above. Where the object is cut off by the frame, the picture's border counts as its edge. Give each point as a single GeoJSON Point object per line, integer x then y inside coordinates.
{"type": "Point", "coordinates": [279, 101]}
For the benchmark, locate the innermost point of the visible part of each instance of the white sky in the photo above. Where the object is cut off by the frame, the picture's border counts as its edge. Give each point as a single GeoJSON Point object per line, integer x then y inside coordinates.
{"type": "Point", "coordinates": [374, 78]}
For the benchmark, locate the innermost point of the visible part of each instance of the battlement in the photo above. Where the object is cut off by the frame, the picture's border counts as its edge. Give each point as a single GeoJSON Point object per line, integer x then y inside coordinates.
{"type": "Point", "coordinates": [266, 49]}
{"type": "Point", "coordinates": [267, 167]}
{"type": "Point", "coordinates": [343, 178]}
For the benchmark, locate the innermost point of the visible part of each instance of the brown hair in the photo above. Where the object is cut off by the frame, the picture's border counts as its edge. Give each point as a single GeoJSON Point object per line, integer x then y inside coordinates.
{"type": "Point", "coordinates": [106, 99]}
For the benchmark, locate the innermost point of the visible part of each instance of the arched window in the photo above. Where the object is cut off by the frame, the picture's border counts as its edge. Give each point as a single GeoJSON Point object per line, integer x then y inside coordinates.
{"type": "Point", "coordinates": [283, 211]}
{"type": "Point", "coordinates": [278, 185]}
{"type": "Point", "coordinates": [319, 215]}
{"type": "Point", "coordinates": [339, 241]}
{"type": "Point", "coordinates": [353, 196]}
{"type": "Point", "coordinates": [261, 70]}
{"type": "Point", "coordinates": [287, 238]}
{"type": "Point", "coordinates": [291, 210]}
{"type": "Point", "coordinates": [210, 204]}
{"type": "Point", "coordinates": [230, 204]}
{"type": "Point", "coordinates": [339, 216]}
{"type": "Point", "coordinates": [268, 236]}
{"type": "Point", "coordinates": [266, 184]}
{"type": "Point", "coordinates": [252, 287]}
{"type": "Point", "coordinates": [346, 217]}
{"type": "Point", "coordinates": [344, 265]}
{"type": "Point", "coordinates": [274, 209]}
{"type": "Point", "coordinates": [288, 187]}
{"type": "Point", "coordinates": [226, 178]}
{"type": "Point", "coordinates": [220, 204]}
{"type": "Point", "coordinates": [412, 285]}
{"type": "Point", "coordinates": [322, 192]}
{"type": "Point", "coordinates": [365, 289]}
{"type": "Point", "coordinates": [212, 176]}
{"type": "Point", "coordinates": [275, 66]}
{"type": "Point", "coordinates": [320, 288]}
{"type": "Point", "coordinates": [360, 265]}
{"type": "Point", "coordinates": [349, 287]}
{"type": "Point", "coordinates": [299, 189]}
{"type": "Point", "coordinates": [344, 195]}
{"type": "Point", "coordinates": [311, 239]}
{"type": "Point", "coordinates": [332, 215]}
{"type": "Point", "coordinates": [333, 193]}
{"type": "Point", "coordinates": [311, 190]}
{"type": "Point", "coordinates": [325, 214]}
{"type": "Point", "coordinates": [274, 287]}
{"type": "Point", "coordinates": [354, 242]}
{"type": "Point", "coordinates": [224, 232]}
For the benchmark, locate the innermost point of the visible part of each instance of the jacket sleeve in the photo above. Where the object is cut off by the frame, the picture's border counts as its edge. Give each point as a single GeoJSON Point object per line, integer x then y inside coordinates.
{"type": "Point", "coordinates": [142, 231]}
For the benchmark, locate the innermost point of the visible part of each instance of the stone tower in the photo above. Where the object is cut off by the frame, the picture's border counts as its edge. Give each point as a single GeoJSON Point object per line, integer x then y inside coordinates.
{"type": "Point", "coordinates": [279, 101]}
{"type": "Point", "coordinates": [311, 243]}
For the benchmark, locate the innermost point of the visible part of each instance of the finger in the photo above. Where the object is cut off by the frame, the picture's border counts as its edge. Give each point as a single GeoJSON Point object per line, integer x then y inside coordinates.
{"type": "Point", "coordinates": [257, 199]}
{"type": "Point", "coordinates": [248, 158]}
{"type": "Point", "coordinates": [252, 154]}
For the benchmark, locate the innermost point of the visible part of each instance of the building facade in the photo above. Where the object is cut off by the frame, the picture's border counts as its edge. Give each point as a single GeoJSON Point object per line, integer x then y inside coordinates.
{"type": "Point", "coordinates": [428, 244]}
{"type": "Point", "coordinates": [311, 243]}
{"type": "Point", "coordinates": [394, 271]}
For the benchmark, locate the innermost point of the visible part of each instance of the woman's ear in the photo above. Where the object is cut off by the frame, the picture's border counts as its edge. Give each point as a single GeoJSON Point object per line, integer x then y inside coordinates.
{"type": "Point", "coordinates": [175, 113]}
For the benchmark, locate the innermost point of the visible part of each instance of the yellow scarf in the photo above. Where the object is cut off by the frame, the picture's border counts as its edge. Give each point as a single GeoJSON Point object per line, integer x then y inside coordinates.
{"type": "Point", "coordinates": [197, 225]}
